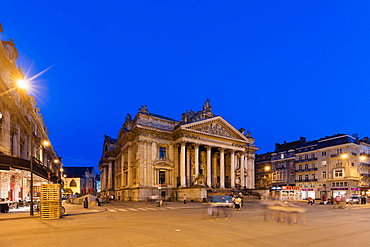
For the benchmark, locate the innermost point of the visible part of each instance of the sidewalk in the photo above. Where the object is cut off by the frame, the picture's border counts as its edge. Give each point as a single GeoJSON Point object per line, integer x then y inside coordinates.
{"type": "Point", "coordinates": [71, 209]}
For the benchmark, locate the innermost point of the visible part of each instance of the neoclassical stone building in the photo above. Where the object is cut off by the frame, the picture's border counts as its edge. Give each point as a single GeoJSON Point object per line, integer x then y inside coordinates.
{"type": "Point", "coordinates": [155, 155]}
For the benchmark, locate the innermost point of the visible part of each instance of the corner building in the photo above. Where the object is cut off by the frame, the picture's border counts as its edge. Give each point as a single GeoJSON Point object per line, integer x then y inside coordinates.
{"type": "Point", "coordinates": [158, 156]}
{"type": "Point", "coordinates": [22, 133]}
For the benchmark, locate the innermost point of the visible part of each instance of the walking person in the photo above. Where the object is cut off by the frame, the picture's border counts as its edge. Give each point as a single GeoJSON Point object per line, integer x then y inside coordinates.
{"type": "Point", "coordinates": [185, 199]}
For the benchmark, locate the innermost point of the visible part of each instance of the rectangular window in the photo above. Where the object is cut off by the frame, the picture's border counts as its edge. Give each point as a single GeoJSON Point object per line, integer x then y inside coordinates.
{"type": "Point", "coordinates": [323, 163]}
{"type": "Point", "coordinates": [338, 173]}
{"type": "Point", "coordinates": [162, 153]}
{"type": "Point", "coordinates": [323, 153]}
{"type": "Point", "coordinates": [323, 175]}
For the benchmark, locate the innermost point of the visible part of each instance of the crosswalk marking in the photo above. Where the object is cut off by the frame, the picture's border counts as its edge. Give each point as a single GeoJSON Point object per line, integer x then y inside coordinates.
{"type": "Point", "coordinates": [139, 209]}
{"type": "Point", "coordinates": [133, 209]}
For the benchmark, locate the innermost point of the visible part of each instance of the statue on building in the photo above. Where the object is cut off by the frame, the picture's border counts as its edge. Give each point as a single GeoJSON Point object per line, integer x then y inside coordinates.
{"type": "Point", "coordinates": [143, 109]}
{"type": "Point", "coordinates": [128, 122]}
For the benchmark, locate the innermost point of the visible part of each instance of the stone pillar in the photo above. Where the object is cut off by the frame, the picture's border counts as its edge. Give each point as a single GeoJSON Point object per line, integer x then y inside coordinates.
{"type": "Point", "coordinates": [129, 165]}
{"type": "Point", "coordinates": [182, 165]}
{"type": "Point", "coordinates": [122, 167]}
{"type": "Point", "coordinates": [214, 170]}
{"type": "Point", "coordinates": [110, 176]}
{"type": "Point", "coordinates": [209, 167]}
{"type": "Point", "coordinates": [242, 165]}
{"type": "Point", "coordinates": [232, 172]}
{"type": "Point", "coordinates": [196, 159]}
{"type": "Point", "coordinates": [222, 168]}
{"type": "Point", "coordinates": [188, 167]}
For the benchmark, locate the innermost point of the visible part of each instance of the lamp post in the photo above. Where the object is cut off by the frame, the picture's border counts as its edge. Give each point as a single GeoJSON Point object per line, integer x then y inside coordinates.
{"type": "Point", "coordinates": [23, 84]}
{"type": "Point", "coordinates": [31, 169]}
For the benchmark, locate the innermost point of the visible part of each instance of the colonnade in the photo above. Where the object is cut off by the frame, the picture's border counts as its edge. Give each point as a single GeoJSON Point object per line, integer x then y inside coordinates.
{"type": "Point", "coordinates": [228, 161]}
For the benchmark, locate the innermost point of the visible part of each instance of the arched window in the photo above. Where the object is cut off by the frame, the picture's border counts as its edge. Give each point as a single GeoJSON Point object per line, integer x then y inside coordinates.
{"type": "Point", "coordinates": [73, 183]}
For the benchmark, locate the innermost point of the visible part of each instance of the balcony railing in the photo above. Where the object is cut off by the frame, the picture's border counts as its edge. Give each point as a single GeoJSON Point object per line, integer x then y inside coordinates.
{"type": "Point", "coordinates": [306, 180]}
{"type": "Point", "coordinates": [306, 160]}
{"type": "Point", "coordinates": [365, 164]}
{"type": "Point", "coordinates": [307, 170]}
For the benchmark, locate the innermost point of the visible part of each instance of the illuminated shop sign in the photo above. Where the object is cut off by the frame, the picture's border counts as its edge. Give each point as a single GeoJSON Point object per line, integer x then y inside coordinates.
{"type": "Point", "coordinates": [339, 188]}
{"type": "Point", "coordinates": [355, 188]}
{"type": "Point", "coordinates": [307, 189]}
{"type": "Point", "coordinates": [291, 187]}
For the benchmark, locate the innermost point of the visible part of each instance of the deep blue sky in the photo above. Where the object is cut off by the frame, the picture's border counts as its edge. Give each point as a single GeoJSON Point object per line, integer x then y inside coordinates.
{"type": "Point", "coordinates": [280, 69]}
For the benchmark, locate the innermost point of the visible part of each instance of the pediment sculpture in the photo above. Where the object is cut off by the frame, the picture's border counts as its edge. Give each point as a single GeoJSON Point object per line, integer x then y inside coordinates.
{"type": "Point", "coordinates": [215, 129]}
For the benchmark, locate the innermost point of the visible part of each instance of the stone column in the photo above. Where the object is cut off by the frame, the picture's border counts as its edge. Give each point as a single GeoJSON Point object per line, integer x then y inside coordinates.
{"type": "Point", "coordinates": [182, 165]}
{"type": "Point", "coordinates": [188, 167]}
{"type": "Point", "coordinates": [110, 176]}
{"type": "Point", "coordinates": [214, 170]}
{"type": "Point", "coordinates": [222, 168]}
{"type": "Point", "coordinates": [196, 159]}
{"type": "Point", "coordinates": [129, 165]}
{"type": "Point", "coordinates": [232, 172]}
{"type": "Point", "coordinates": [122, 167]}
{"type": "Point", "coordinates": [242, 165]}
{"type": "Point", "coordinates": [209, 167]}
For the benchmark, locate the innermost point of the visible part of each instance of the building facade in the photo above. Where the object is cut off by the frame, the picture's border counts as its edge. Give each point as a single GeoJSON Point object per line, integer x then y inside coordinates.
{"type": "Point", "coordinates": [337, 165]}
{"type": "Point", "coordinates": [333, 166]}
{"type": "Point", "coordinates": [156, 155]}
{"type": "Point", "coordinates": [22, 134]}
{"type": "Point", "coordinates": [79, 180]}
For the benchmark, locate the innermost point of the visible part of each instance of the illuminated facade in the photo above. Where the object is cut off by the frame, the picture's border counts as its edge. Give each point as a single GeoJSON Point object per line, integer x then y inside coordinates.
{"type": "Point", "coordinates": [337, 165]}
{"type": "Point", "coordinates": [22, 129]}
{"type": "Point", "coordinates": [156, 155]}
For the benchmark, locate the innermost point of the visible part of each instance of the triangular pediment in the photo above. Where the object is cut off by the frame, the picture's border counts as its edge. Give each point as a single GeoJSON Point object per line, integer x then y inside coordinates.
{"type": "Point", "coordinates": [216, 126]}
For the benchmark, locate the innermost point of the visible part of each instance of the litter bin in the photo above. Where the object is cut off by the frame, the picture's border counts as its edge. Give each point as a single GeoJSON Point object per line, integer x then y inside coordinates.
{"type": "Point", "coordinates": [86, 203]}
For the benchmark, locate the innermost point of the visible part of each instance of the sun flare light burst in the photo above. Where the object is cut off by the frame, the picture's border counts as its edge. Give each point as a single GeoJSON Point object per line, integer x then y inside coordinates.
{"type": "Point", "coordinates": [31, 83]}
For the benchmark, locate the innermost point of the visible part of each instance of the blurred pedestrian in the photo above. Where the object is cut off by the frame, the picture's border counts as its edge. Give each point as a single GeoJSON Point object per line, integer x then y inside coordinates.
{"type": "Point", "coordinates": [185, 199]}
{"type": "Point", "coordinates": [237, 203]}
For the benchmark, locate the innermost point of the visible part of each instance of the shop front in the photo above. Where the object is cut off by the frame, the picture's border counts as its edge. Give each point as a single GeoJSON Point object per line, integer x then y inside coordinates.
{"type": "Point", "coordinates": [291, 193]}
{"type": "Point", "coordinates": [341, 192]}
{"type": "Point", "coordinates": [308, 193]}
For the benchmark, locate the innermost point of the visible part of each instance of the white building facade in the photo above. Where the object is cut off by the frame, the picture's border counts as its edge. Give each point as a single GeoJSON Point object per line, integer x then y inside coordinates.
{"type": "Point", "coordinates": [155, 155]}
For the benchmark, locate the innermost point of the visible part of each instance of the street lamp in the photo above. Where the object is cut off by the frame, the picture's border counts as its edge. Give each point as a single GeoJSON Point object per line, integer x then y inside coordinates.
{"type": "Point", "coordinates": [23, 84]}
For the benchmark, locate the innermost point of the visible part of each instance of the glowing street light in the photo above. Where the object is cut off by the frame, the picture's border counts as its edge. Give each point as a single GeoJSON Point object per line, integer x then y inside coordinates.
{"type": "Point", "coordinates": [23, 84]}
{"type": "Point", "coordinates": [46, 143]}
{"type": "Point", "coordinates": [267, 168]}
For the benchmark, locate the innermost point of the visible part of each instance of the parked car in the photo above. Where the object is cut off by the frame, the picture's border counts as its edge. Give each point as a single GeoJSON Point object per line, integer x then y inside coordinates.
{"type": "Point", "coordinates": [355, 199]}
